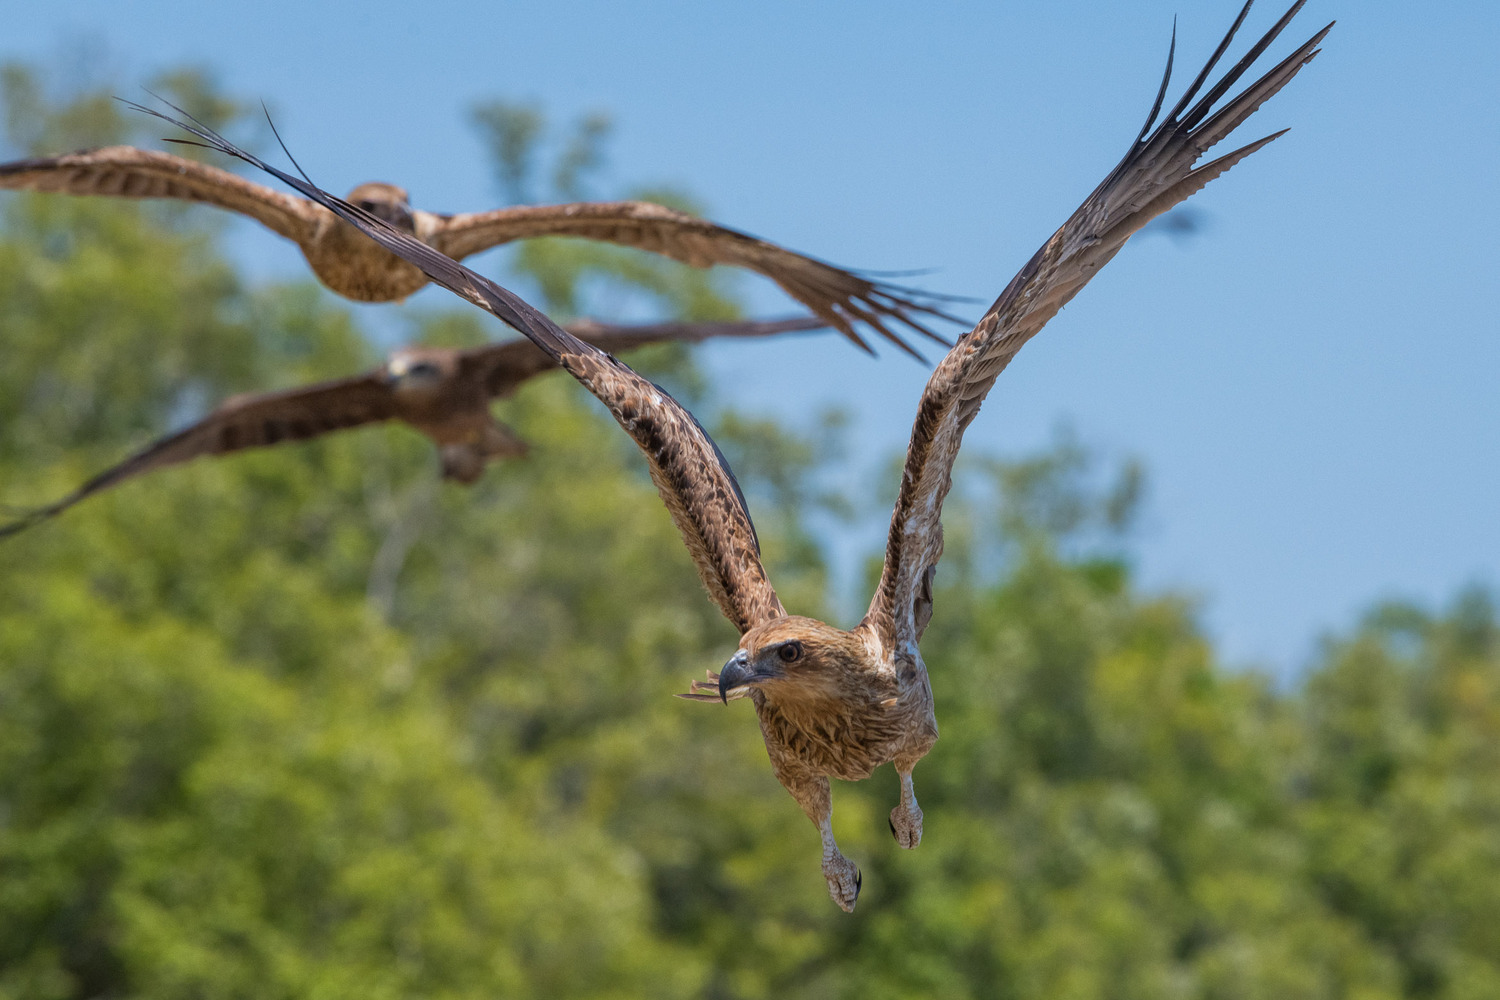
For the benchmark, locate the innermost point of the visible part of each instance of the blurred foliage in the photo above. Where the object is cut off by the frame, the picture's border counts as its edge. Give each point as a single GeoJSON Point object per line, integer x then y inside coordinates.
{"type": "Point", "coordinates": [307, 723]}
{"type": "Point", "coordinates": [49, 113]}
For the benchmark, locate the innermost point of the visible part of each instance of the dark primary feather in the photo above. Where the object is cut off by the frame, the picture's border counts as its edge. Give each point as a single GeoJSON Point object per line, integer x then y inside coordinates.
{"type": "Point", "coordinates": [1156, 173]}
{"type": "Point", "coordinates": [690, 473]}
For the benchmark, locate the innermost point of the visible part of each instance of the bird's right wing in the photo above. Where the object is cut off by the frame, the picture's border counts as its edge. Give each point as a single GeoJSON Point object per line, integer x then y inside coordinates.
{"type": "Point", "coordinates": [1157, 173]}
{"type": "Point", "coordinates": [842, 298]}
{"type": "Point", "coordinates": [507, 365]}
{"type": "Point", "coordinates": [127, 172]}
{"type": "Point", "coordinates": [241, 422]}
{"type": "Point", "coordinates": [689, 471]}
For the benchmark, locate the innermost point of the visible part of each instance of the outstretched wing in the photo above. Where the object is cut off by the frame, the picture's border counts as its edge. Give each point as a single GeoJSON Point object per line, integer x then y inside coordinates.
{"type": "Point", "coordinates": [127, 172]}
{"type": "Point", "coordinates": [505, 366]}
{"type": "Point", "coordinates": [241, 422]}
{"type": "Point", "coordinates": [689, 471]}
{"type": "Point", "coordinates": [1155, 175]}
{"type": "Point", "coordinates": [841, 298]}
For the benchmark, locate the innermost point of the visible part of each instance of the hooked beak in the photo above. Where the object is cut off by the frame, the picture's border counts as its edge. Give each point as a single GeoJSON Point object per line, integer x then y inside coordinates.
{"type": "Point", "coordinates": [736, 673]}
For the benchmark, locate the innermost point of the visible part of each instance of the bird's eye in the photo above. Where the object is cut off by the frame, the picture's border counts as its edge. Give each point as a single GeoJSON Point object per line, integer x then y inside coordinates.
{"type": "Point", "coordinates": [367, 205]}
{"type": "Point", "coordinates": [790, 652]}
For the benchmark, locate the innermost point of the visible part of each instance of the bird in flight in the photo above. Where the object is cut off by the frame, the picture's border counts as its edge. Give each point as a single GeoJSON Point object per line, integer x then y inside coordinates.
{"type": "Point", "coordinates": [834, 703]}
{"type": "Point", "coordinates": [442, 392]}
{"type": "Point", "coordinates": [355, 268]}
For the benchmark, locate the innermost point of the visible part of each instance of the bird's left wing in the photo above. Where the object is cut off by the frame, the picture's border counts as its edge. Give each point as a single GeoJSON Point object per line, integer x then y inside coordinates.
{"type": "Point", "coordinates": [127, 172]}
{"type": "Point", "coordinates": [505, 366]}
{"type": "Point", "coordinates": [842, 298]}
{"type": "Point", "coordinates": [1157, 173]}
{"type": "Point", "coordinates": [252, 420]}
{"type": "Point", "coordinates": [689, 471]}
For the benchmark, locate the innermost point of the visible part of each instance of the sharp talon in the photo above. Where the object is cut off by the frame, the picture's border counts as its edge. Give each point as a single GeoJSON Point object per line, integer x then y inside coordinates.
{"type": "Point", "coordinates": [892, 824]}
{"type": "Point", "coordinates": [844, 881]}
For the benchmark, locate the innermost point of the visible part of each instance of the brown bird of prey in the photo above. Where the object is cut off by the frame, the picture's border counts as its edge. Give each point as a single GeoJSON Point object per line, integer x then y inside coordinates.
{"type": "Point", "coordinates": [355, 268]}
{"type": "Point", "coordinates": [835, 703]}
{"type": "Point", "coordinates": [442, 392]}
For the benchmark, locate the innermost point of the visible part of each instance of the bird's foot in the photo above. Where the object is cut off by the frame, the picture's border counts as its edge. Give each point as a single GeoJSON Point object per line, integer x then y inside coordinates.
{"type": "Point", "coordinates": [906, 825]}
{"type": "Point", "coordinates": [844, 881]}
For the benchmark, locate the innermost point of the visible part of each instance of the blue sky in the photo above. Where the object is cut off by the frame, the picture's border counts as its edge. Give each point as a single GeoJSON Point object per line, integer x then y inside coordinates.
{"type": "Point", "coordinates": [1313, 383]}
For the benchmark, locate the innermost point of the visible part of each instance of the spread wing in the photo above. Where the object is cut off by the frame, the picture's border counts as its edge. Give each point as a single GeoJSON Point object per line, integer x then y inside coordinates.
{"type": "Point", "coordinates": [505, 366]}
{"type": "Point", "coordinates": [841, 298]}
{"type": "Point", "coordinates": [241, 422]}
{"type": "Point", "coordinates": [1157, 173]}
{"type": "Point", "coordinates": [689, 471]}
{"type": "Point", "coordinates": [127, 172]}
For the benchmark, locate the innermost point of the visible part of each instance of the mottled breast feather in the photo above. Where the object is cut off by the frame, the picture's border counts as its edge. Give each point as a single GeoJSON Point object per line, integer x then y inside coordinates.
{"type": "Point", "coordinates": [1157, 173]}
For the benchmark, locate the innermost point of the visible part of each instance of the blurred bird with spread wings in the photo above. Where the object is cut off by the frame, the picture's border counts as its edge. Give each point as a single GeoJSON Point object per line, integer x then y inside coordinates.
{"type": "Point", "coordinates": [835, 703]}
{"type": "Point", "coordinates": [355, 268]}
{"type": "Point", "coordinates": [442, 392]}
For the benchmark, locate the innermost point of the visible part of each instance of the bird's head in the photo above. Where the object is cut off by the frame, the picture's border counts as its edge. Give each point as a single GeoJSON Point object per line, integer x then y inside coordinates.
{"type": "Point", "coordinates": [413, 369]}
{"type": "Point", "coordinates": [793, 658]}
{"type": "Point", "coordinates": [384, 201]}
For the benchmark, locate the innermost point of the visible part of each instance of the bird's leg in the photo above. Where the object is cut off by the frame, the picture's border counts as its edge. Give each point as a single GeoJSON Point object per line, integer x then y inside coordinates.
{"type": "Point", "coordinates": [813, 795]}
{"type": "Point", "coordinates": [462, 462]}
{"type": "Point", "coordinates": [906, 818]}
{"type": "Point", "coordinates": [844, 878]}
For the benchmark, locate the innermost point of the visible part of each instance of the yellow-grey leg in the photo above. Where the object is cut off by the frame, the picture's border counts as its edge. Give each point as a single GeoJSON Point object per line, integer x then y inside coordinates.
{"type": "Point", "coordinates": [842, 874]}
{"type": "Point", "coordinates": [816, 799]}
